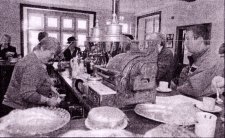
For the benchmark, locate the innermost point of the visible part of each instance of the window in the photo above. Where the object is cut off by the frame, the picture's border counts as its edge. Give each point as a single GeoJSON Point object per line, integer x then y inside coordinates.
{"type": "Point", "coordinates": [36, 21]}
{"type": "Point", "coordinates": [53, 34]}
{"type": "Point", "coordinates": [57, 22]}
{"type": "Point", "coordinates": [33, 41]}
{"type": "Point", "coordinates": [81, 24]}
{"type": "Point", "coordinates": [147, 24]}
{"type": "Point", "coordinates": [81, 39]}
{"type": "Point", "coordinates": [125, 28]}
{"type": "Point", "coordinates": [67, 23]}
{"type": "Point", "coordinates": [52, 22]}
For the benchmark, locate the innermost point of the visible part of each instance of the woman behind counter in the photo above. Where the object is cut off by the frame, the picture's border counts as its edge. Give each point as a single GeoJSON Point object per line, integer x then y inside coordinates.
{"type": "Point", "coordinates": [6, 50]}
{"type": "Point", "coordinates": [30, 83]}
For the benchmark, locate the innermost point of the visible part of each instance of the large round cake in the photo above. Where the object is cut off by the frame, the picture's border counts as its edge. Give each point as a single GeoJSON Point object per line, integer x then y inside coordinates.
{"type": "Point", "coordinates": [106, 118]}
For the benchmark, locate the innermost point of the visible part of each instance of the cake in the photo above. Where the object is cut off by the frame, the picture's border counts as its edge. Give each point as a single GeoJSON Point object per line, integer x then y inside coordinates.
{"type": "Point", "coordinates": [106, 118]}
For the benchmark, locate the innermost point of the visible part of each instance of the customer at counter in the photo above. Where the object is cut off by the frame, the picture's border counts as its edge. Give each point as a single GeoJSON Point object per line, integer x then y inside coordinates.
{"type": "Point", "coordinates": [218, 81]}
{"type": "Point", "coordinates": [41, 35]}
{"type": "Point", "coordinates": [72, 50]}
{"type": "Point", "coordinates": [195, 80]}
{"type": "Point", "coordinates": [165, 58]}
{"type": "Point", "coordinates": [6, 50]}
{"type": "Point", "coordinates": [30, 84]}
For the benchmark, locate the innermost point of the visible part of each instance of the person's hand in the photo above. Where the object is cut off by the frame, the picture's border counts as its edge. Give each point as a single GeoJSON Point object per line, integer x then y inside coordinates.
{"type": "Point", "coordinates": [217, 84]}
{"type": "Point", "coordinates": [56, 93]}
{"type": "Point", "coordinates": [53, 101]}
{"type": "Point", "coordinates": [9, 54]}
{"type": "Point", "coordinates": [173, 85]}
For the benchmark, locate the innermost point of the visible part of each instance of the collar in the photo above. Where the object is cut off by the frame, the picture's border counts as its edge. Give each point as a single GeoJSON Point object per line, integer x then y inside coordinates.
{"type": "Point", "coordinates": [160, 48]}
{"type": "Point", "coordinates": [38, 60]}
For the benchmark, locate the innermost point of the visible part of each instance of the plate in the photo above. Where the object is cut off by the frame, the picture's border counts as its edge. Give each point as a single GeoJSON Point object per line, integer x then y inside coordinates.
{"type": "Point", "coordinates": [163, 90]}
{"type": "Point", "coordinates": [167, 130]}
{"type": "Point", "coordinates": [166, 114]}
{"type": "Point", "coordinates": [88, 125]}
{"type": "Point", "coordinates": [35, 121]}
{"type": "Point", "coordinates": [98, 133]}
{"type": "Point", "coordinates": [216, 109]}
{"type": "Point", "coordinates": [152, 111]}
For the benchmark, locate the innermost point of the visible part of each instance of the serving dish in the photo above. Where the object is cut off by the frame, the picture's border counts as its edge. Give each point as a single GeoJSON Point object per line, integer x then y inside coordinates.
{"type": "Point", "coordinates": [35, 121]}
{"type": "Point", "coordinates": [168, 114]}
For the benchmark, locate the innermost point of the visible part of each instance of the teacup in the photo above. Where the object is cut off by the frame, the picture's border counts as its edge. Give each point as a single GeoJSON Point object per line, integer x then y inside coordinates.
{"type": "Point", "coordinates": [209, 103]}
{"type": "Point", "coordinates": [206, 124]}
{"type": "Point", "coordinates": [163, 85]}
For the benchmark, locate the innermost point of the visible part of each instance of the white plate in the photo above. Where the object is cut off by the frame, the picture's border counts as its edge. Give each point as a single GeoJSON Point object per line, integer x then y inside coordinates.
{"type": "Point", "coordinates": [216, 109]}
{"type": "Point", "coordinates": [161, 113]}
{"type": "Point", "coordinates": [88, 125]}
{"type": "Point", "coordinates": [22, 122]}
{"type": "Point", "coordinates": [153, 111]}
{"type": "Point", "coordinates": [163, 89]}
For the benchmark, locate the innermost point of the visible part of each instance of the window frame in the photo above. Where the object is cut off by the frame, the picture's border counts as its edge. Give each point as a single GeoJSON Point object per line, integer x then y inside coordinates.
{"type": "Point", "coordinates": [24, 30]}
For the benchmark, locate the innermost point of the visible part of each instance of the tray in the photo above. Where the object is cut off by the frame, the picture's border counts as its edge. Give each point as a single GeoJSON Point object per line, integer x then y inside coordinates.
{"type": "Point", "coordinates": [166, 130]}
{"type": "Point", "coordinates": [35, 121]}
{"type": "Point", "coordinates": [164, 114]}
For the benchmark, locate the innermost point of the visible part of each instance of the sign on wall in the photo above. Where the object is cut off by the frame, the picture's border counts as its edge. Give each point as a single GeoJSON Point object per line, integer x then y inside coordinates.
{"type": "Point", "coordinates": [169, 40]}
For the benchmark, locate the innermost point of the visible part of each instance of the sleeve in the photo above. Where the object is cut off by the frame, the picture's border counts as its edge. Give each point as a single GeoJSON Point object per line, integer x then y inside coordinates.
{"type": "Point", "coordinates": [197, 84]}
{"type": "Point", "coordinates": [14, 50]}
{"type": "Point", "coordinates": [165, 65]}
{"type": "Point", "coordinates": [31, 78]}
{"type": "Point", "coordinates": [67, 55]}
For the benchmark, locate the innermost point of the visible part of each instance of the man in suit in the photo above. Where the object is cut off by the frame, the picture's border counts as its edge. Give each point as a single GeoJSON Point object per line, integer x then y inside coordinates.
{"type": "Point", "coordinates": [165, 58]}
{"type": "Point", "coordinates": [6, 50]}
{"type": "Point", "coordinates": [72, 50]}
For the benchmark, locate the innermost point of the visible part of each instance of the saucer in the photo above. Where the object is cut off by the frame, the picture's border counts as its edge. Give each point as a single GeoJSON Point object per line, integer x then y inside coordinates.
{"type": "Point", "coordinates": [216, 109]}
{"type": "Point", "coordinates": [163, 89]}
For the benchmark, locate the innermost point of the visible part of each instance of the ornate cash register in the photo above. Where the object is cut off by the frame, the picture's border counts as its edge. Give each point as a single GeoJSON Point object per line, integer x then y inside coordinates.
{"type": "Point", "coordinates": [128, 77]}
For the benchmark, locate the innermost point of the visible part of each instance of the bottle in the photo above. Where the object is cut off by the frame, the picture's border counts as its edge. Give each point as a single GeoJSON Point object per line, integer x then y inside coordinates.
{"type": "Point", "coordinates": [82, 68]}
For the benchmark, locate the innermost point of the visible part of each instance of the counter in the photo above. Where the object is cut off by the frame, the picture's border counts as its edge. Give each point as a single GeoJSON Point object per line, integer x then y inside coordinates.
{"type": "Point", "coordinates": [137, 124]}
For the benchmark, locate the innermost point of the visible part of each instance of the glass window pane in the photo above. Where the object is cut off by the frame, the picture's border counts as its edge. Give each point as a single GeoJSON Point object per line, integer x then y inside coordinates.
{"type": "Point", "coordinates": [68, 23]}
{"type": "Point", "coordinates": [82, 24]}
{"type": "Point", "coordinates": [65, 36]}
{"type": "Point", "coordinates": [124, 27]}
{"type": "Point", "coordinates": [149, 26]}
{"type": "Point", "coordinates": [33, 39]}
{"type": "Point", "coordinates": [156, 25]}
{"type": "Point", "coordinates": [35, 21]}
{"type": "Point", "coordinates": [81, 39]}
{"type": "Point", "coordinates": [52, 34]}
{"type": "Point", "coordinates": [52, 22]}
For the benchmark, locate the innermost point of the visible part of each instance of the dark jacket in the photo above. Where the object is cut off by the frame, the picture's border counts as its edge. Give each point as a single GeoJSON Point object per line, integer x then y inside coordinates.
{"type": "Point", "coordinates": [67, 53]}
{"type": "Point", "coordinates": [165, 65]}
{"type": "Point", "coordinates": [5, 50]}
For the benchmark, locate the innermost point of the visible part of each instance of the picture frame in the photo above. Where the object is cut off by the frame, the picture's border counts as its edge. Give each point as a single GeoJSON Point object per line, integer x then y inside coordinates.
{"type": "Point", "coordinates": [169, 40]}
